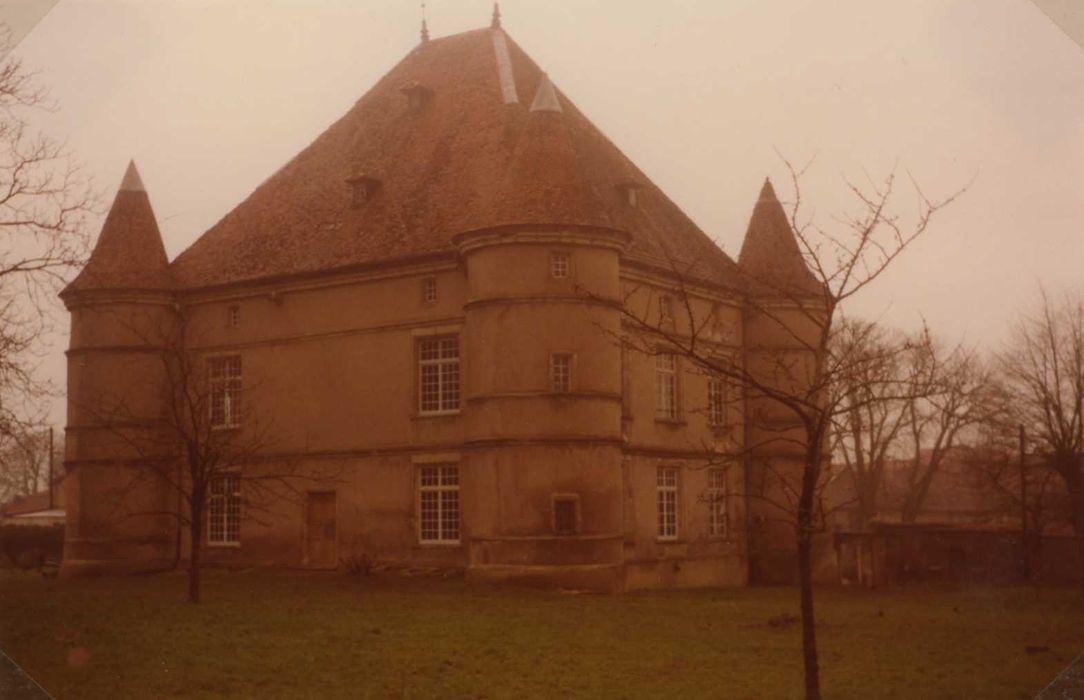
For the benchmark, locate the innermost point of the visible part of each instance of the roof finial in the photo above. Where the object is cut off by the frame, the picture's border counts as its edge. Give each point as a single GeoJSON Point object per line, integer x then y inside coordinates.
{"type": "Point", "coordinates": [131, 181]}
{"type": "Point", "coordinates": [425, 28]}
{"type": "Point", "coordinates": [496, 24]}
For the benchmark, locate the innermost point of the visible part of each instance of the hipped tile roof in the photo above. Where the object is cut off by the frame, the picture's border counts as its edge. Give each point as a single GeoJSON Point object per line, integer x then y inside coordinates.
{"type": "Point", "coordinates": [464, 160]}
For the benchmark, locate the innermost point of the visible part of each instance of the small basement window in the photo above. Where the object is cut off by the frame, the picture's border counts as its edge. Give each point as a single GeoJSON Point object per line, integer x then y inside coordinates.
{"type": "Point", "coordinates": [362, 189]}
{"type": "Point", "coordinates": [566, 515]}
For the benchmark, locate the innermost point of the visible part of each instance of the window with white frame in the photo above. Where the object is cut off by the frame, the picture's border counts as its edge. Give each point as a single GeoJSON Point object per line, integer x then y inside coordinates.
{"type": "Point", "coordinates": [561, 372]}
{"type": "Point", "coordinates": [224, 510]}
{"type": "Point", "coordinates": [224, 380]}
{"type": "Point", "coordinates": [438, 375]}
{"type": "Point", "coordinates": [716, 498]}
{"type": "Point", "coordinates": [666, 399]}
{"type": "Point", "coordinates": [716, 401]}
{"type": "Point", "coordinates": [429, 290]}
{"type": "Point", "coordinates": [438, 503]}
{"type": "Point", "coordinates": [560, 265]}
{"type": "Point", "coordinates": [667, 502]}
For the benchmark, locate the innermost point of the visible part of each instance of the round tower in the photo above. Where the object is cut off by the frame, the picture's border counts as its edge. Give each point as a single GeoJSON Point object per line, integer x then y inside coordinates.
{"type": "Point", "coordinates": [119, 504]}
{"type": "Point", "coordinates": [543, 364]}
{"type": "Point", "coordinates": [780, 332]}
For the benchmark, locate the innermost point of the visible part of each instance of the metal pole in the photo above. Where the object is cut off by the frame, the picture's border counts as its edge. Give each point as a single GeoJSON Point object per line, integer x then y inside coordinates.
{"type": "Point", "coordinates": [1024, 507]}
{"type": "Point", "coordinates": [50, 467]}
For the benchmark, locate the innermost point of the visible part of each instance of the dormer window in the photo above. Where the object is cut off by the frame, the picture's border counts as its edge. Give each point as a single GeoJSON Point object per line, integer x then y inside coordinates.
{"type": "Point", "coordinates": [629, 190]}
{"type": "Point", "coordinates": [418, 96]}
{"type": "Point", "coordinates": [362, 189]}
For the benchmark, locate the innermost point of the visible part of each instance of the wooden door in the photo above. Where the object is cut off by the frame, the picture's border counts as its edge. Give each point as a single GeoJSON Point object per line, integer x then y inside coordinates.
{"type": "Point", "coordinates": [320, 551]}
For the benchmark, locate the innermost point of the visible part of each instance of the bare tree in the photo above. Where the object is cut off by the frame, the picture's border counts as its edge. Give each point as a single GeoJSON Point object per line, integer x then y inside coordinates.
{"type": "Point", "coordinates": [958, 389]}
{"type": "Point", "coordinates": [192, 449]}
{"type": "Point", "coordinates": [891, 371]}
{"type": "Point", "coordinates": [44, 201]}
{"type": "Point", "coordinates": [1043, 371]}
{"type": "Point", "coordinates": [25, 463]}
{"type": "Point", "coordinates": [791, 394]}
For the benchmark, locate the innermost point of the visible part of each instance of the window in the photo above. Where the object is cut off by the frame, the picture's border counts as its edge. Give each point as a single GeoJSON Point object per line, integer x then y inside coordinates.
{"type": "Point", "coordinates": [561, 372]}
{"type": "Point", "coordinates": [438, 370]}
{"type": "Point", "coordinates": [438, 503]}
{"type": "Point", "coordinates": [666, 406]}
{"type": "Point", "coordinates": [224, 377]}
{"type": "Point", "coordinates": [666, 308]}
{"type": "Point", "coordinates": [429, 290]}
{"type": "Point", "coordinates": [716, 498]}
{"type": "Point", "coordinates": [566, 515]}
{"type": "Point", "coordinates": [716, 402]}
{"type": "Point", "coordinates": [560, 265]}
{"type": "Point", "coordinates": [233, 316]}
{"type": "Point", "coordinates": [224, 510]}
{"type": "Point", "coordinates": [667, 498]}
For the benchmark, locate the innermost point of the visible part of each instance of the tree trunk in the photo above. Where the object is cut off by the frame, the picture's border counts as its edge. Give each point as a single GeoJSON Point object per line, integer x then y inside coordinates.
{"type": "Point", "coordinates": [806, 516]}
{"type": "Point", "coordinates": [805, 581]}
{"type": "Point", "coordinates": [194, 562]}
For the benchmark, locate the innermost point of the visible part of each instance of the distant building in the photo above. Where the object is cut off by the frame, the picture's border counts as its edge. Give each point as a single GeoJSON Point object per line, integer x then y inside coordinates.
{"type": "Point", "coordinates": [429, 297]}
{"type": "Point", "coordinates": [41, 508]}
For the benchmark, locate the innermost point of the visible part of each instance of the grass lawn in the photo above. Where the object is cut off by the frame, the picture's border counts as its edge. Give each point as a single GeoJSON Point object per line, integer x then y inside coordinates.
{"type": "Point", "coordinates": [265, 635]}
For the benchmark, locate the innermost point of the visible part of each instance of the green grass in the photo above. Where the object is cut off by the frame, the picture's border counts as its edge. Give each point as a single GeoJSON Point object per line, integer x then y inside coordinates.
{"type": "Point", "coordinates": [267, 635]}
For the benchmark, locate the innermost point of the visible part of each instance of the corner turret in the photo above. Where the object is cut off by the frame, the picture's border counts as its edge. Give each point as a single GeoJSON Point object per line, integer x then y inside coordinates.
{"type": "Point", "coordinates": [122, 323]}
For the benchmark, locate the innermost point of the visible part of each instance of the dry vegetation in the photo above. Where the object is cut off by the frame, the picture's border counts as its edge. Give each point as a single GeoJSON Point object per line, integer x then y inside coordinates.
{"type": "Point", "coordinates": [325, 635]}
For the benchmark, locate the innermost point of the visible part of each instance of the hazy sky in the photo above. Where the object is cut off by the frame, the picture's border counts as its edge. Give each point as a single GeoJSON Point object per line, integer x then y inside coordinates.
{"type": "Point", "coordinates": [210, 98]}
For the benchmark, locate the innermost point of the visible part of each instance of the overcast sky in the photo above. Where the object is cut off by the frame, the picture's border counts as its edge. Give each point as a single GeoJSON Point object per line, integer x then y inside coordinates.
{"type": "Point", "coordinates": [210, 98]}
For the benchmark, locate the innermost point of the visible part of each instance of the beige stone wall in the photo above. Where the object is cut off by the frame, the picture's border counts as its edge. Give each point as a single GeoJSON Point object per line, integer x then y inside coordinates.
{"type": "Point", "coordinates": [330, 371]}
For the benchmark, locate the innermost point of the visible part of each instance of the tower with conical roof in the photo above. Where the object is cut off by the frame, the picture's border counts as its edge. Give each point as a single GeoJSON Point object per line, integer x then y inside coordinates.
{"type": "Point", "coordinates": [780, 334]}
{"type": "Point", "coordinates": [122, 314]}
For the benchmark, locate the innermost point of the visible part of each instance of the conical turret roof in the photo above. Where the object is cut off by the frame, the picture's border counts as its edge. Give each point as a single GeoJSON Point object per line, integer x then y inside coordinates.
{"type": "Point", "coordinates": [455, 161]}
{"type": "Point", "coordinates": [770, 256]}
{"type": "Point", "coordinates": [129, 254]}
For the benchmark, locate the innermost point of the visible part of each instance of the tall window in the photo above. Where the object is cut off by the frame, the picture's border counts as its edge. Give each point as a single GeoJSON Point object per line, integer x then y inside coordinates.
{"type": "Point", "coordinates": [438, 375]}
{"type": "Point", "coordinates": [666, 405]}
{"type": "Point", "coordinates": [429, 290]}
{"type": "Point", "coordinates": [667, 500]}
{"type": "Point", "coordinates": [561, 372]}
{"type": "Point", "coordinates": [560, 265]}
{"type": "Point", "coordinates": [716, 498]}
{"type": "Point", "coordinates": [224, 510]}
{"type": "Point", "coordinates": [438, 503]}
{"type": "Point", "coordinates": [716, 402]}
{"type": "Point", "coordinates": [224, 378]}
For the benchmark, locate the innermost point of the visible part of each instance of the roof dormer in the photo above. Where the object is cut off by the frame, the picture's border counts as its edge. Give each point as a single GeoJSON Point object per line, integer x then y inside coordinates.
{"type": "Point", "coordinates": [362, 188]}
{"type": "Point", "coordinates": [418, 96]}
{"type": "Point", "coordinates": [629, 190]}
